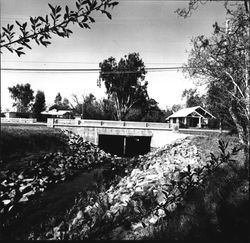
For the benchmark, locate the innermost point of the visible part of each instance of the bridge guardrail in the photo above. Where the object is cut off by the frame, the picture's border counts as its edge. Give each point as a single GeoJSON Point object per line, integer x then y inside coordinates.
{"type": "Point", "coordinates": [106, 123]}
{"type": "Point", "coordinates": [18, 120]}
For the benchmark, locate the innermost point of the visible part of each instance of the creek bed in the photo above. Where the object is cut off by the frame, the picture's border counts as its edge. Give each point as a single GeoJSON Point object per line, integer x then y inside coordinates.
{"type": "Point", "coordinates": [52, 202]}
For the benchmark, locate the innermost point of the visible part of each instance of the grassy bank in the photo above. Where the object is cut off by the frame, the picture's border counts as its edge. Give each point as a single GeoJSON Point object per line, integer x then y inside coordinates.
{"type": "Point", "coordinates": [21, 143]}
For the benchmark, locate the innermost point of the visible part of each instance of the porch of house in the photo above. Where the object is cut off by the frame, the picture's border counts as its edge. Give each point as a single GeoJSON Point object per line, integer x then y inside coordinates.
{"type": "Point", "coordinates": [189, 121]}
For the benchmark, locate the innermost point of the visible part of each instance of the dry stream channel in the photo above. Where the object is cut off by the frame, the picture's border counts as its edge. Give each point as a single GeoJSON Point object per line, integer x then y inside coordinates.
{"type": "Point", "coordinates": [51, 203]}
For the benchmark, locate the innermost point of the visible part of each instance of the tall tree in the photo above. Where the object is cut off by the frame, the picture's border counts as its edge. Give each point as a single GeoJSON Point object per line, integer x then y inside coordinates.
{"type": "Point", "coordinates": [223, 59]}
{"type": "Point", "coordinates": [22, 95]}
{"type": "Point", "coordinates": [58, 99]}
{"type": "Point", "coordinates": [90, 108]}
{"type": "Point", "coordinates": [217, 102]}
{"type": "Point", "coordinates": [65, 102]}
{"type": "Point", "coordinates": [124, 82]}
{"type": "Point", "coordinates": [60, 103]}
{"type": "Point", "coordinates": [108, 109]}
{"type": "Point", "coordinates": [152, 112]}
{"type": "Point", "coordinates": [176, 107]}
{"type": "Point", "coordinates": [39, 104]}
{"type": "Point", "coordinates": [193, 98]}
{"type": "Point", "coordinates": [16, 37]}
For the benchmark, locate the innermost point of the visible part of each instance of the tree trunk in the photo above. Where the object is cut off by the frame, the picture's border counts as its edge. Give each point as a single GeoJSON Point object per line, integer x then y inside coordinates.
{"type": "Point", "coordinates": [117, 107]}
{"type": "Point", "coordinates": [247, 77]}
{"type": "Point", "coordinates": [243, 137]}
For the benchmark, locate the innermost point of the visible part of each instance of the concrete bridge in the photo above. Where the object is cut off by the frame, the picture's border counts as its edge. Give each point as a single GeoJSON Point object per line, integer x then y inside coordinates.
{"type": "Point", "coordinates": [123, 136]}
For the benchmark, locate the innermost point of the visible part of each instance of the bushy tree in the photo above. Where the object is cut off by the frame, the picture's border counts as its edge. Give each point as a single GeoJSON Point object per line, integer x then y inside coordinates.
{"type": "Point", "coordinates": [58, 99]}
{"type": "Point", "coordinates": [176, 107]}
{"type": "Point", "coordinates": [124, 82]}
{"type": "Point", "coordinates": [146, 112]}
{"type": "Point", "coordinates": [223, 61]}
{"type": "Point", "coordinates": [217, 102]}
{"type": "Point", "coordinates": [152, 112]}
{"type": "Point", "coordinates": [168, 111]}
{"type": "Point", "coordinates": [59, 105]}
{"type": "Point", "coordinates": [39, 104]}
{"type": "Point", "coordinates": [91, 108]}
{"type": "Point", "coordinates": [65, 102]}
{"type": "Point", "coordinates": [193, 98]}
{"type": "Point", "coordinates": [108, 109]}
{"type": "Point", "coordinates": [22, 95]}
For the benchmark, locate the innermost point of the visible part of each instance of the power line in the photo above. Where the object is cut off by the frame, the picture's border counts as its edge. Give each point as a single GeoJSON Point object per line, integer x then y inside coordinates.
{"type": "Point", "coordinates": [92, 70]}
{"type": "Point", "coordinates": [79, 62]}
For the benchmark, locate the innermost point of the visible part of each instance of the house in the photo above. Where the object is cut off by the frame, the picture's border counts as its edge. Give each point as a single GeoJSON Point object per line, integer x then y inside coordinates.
{"type": "Point", "coordinates": [190, 117]}
{"type": "Point", "coordinates": [57, 113]}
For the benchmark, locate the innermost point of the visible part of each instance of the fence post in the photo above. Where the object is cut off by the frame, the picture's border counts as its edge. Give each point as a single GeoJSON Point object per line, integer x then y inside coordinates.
{"type": "Point", "coordinates": [50, 122]}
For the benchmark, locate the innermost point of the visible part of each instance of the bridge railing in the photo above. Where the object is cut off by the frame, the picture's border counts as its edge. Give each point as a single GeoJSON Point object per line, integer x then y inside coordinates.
{"type": "Point", "coordinates": [18, 120]}
{"type": "Point", "coordinates": [106, 123]}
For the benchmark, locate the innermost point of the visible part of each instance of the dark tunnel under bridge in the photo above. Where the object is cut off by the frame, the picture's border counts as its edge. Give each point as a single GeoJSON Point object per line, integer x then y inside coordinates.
{"type": "Point", "coordinates": [127, 146]}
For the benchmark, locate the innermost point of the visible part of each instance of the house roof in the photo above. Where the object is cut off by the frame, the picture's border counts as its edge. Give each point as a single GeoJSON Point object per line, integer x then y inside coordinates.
{"type": "Point", "coordinates": [187, 111]}
{"type": "Point", "coordinates": [55, 112]}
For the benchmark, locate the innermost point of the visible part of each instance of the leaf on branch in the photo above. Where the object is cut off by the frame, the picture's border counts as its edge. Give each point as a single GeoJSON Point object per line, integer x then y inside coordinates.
{"type": "Point", "coordinates": [37, 41]}
{"type": "Point", "coordinates": [32, 21]}
{"type": "Point", "coordinates": [114, 4]}
{"type": "Point", "coordinates": [9, 49]}
{"type": "Point", "coordinates": [18, 24]}
{"type": "Point", "coordinates": [52, 9]}
{"type": "Point", "coordinates": [91, 19]}
{"type": "Point", "coordinates": [107, 13]}
{"type": "Point", "coordinates": [7, 31]}
{"type": "Point", "coordinates": [58, 9]}
{"type": "Point", "coordinates": [19, 53]}
{"type": "Point", "coordinates": [11, 27]}
{"type": "Point", "coordinates": [67, 10]}
{"type": "Point", "coordinates": [45, 43]}
{"type": "Point", "coordinates": [42, 19]}
{"type": "Point", "coordinates": [81, 25]}
{"type": "Point", "coordinates": [60, 34]}
{"type": "Point", "coordinates": [84, 25]}
{"type": "Point", "coordinates": [23, 43]}
{"type": "Point", "coordinates": [77, 5]}
{"type": "Point", "coordinates": [52, 16]}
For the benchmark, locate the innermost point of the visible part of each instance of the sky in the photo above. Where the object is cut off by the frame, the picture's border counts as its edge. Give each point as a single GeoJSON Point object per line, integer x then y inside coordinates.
{"type": "Point", "coordinates": [148, 27]}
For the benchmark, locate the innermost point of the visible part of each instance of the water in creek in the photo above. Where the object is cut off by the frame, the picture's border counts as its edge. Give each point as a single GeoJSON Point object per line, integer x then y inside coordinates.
{"type": "Point", "coordinates": [53, 202]}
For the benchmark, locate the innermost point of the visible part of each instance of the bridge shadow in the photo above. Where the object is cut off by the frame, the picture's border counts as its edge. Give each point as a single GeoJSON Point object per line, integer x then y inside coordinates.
{"type": "Point", "coordinates": [125, 146]}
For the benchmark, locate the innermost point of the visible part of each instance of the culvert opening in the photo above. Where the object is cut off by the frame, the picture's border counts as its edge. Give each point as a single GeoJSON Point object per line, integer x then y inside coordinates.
{"type": "Point", "coordinates": [127, 146]}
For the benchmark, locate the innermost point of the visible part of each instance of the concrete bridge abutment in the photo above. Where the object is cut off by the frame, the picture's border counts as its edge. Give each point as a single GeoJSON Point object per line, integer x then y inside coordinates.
{"type": "Point", "coordinates": [91, 130]}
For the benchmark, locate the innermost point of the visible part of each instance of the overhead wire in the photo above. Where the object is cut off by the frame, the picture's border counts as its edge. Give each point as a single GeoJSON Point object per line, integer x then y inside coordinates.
{"type": "Point", "coordinates": [89, 70]}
